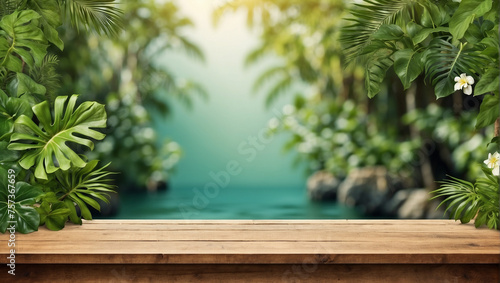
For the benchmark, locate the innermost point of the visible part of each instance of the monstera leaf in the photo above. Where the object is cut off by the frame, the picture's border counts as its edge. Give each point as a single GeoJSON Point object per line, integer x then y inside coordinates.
{"type": "Point", "coordinates": [20, 38]}
{"type": "Point", "coordinates": [45, 146]}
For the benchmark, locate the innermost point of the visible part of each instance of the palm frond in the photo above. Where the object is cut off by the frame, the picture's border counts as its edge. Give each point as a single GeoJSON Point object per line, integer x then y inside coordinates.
{"type": "Point", "coordinates": [101, 16]}
{"type": "Point", "coordinates": [278, 89]}
{"type": "Point", "coordinates": [233, 6]}
{"type": "Point", "coordinates": [267, 75]}
{"type": "Point", "coordinates": [461, 198]}
{"type": "Point", "coordinates": [444, 61]}
{"type": "Point", "coordinates": [367, 19]}
{"type": "Point", "coordinates": [83, 186]}
{"type": "Point", "coordinates": [191, 49]}
{"type": "Point", "coordinates": [255, 55]}
{"type": "Point", "coordinates": [179, 89]}
{"type": "Point", "coordinates": [376, 69]}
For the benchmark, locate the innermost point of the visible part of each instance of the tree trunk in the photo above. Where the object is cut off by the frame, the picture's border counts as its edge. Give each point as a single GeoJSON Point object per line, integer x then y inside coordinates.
{"type": "Point", "coordinates": [425, 164]}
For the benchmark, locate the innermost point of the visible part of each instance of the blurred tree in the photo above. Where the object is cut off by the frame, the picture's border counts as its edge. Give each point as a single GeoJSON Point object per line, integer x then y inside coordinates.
{"type": "Point", "coordinates": [126, 74]}
{"type": "Point", "coordinates": [306, 35]}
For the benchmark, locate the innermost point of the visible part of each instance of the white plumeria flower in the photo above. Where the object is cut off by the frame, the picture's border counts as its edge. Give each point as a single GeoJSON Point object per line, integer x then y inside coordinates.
{"type": "Point", "coordinates": [493, 162]}
{"type": "Point", "coordinates": [464, 82]}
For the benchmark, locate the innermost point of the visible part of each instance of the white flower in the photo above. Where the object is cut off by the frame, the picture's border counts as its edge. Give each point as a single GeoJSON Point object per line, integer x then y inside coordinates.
{"type": "Point", "coordinates": [493, 162]}
{"type": "Point", "coordinates": [464, 82]}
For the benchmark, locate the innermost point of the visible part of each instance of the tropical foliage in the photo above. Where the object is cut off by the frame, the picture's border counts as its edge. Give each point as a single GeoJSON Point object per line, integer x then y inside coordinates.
{"type": "Point", "coordinates": [42, 134]}
{"type": "Point", "coordinates": [124, 73]}
{"type": "Point", "coordinates": [454, 44]}
{"type": "Point", "coordinates": [305, 36]}
{"type": "Point", "coordinates": [340, 137]}
{"type": "Point", "coordinates": [432, 51]}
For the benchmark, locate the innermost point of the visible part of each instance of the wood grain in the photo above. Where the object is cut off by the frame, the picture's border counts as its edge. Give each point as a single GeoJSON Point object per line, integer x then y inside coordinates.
{"type": "Point", "coordinates": [256, 251]}
{"type": "Point", "coordinates": [254, 273]}
{"type": "Point", "coordinates": [259, 242]}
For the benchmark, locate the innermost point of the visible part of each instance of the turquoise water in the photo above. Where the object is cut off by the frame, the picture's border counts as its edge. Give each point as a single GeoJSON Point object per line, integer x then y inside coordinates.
{"type": "Point", "coordinates": [225, 129]}
{"type": "Point", "coordinates": [230, 203]}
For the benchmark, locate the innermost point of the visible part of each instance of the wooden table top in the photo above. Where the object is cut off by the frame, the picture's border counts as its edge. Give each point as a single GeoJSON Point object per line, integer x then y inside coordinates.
{"type": "Point", "coordinates": [258, 242]}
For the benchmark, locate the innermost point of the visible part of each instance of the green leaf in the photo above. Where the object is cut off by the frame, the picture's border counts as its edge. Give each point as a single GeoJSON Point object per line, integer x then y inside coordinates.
{"type": "Point", "coordinates": [84, 210]}
{"type": "Point", "coordinates": [89, 201]}
{"type": "Point", "coordinates": [7, 157]}
{"type": "Point", "coordinates": [489, 111]}
{"type": "Point", "coordinates": [426, 19]}
{"type": "Point", "coordinates": [433, 15]}
{"type": "Point", "coordinates": [278, 89]}
{"type": "Point", "coordinates": [461, 198]}
{"type": "Point", "coordinates": [407, 65]}
{"type": "Point", "coordinates": [267, 75]}
{"type": "Point", "coordinates": [21, 38]}
{"type": "Point", "coordinates": [465, 15]}
{"type": "Point", "coordinates": [49, 142]}
{"type": "Point", "coordinates": [27, 85]}
{"type": "Point", "coordinates": [99, 15]}
{"type": "Point", "coordinates": [10, 109]}
{"type": "Point", "coordinates": [376, 70]}
{"type": "Point", "coordinates": [25, 218]}
{"type": "Point", "coordinates": [73, 216]}
{"type": "Point", "coordinates": [424, 33]}
{"type": "Point", "coordinates": [445, 61]}
{"type": "Point", "coordinates": [84, 186]}
{"type": "Point", "coordinates": [489, 82]}
{"type": "Point", "coordinates": [54, 215]}
{"type": "Point", "coordinates": [388, 32]}
{"type": "Point", "coordinates": [50, 18]}
{"type": "Point", "coordinates": [494, 140]}
{"type": "Point", "coordinates": [366, 20]}
{"type": "Point", "coordinates": [413, 28]}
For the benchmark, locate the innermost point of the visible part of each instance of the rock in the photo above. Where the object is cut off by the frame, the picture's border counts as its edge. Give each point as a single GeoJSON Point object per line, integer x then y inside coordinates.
{"type": "Point", "coordinates": [322, 186]}
{"type": "Point", "coordinates": [369, 188]}
{"type": "Point", "coordinates": [415, 206]}
{"type": "Point", "coordinates": [392, 206]}
{"type": "Point", "coordinates": [433, 213]}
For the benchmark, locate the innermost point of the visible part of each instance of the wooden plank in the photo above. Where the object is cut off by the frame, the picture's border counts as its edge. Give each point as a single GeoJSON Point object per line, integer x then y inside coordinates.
{"type": "Point", "coordinates": [257, 235]}
{"type": "Point", "coordinates": [252, 247]}
{"type": "Point", "coordinates": [305, 272]}
{"type": "Point", "coordinates": [259, 242]}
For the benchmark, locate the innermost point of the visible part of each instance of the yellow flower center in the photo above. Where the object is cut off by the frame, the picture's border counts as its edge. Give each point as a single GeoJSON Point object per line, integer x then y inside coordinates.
{"type": "Point", "coordinates": [462, 81]}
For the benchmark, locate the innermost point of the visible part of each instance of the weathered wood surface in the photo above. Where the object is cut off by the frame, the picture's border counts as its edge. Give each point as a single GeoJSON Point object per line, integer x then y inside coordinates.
{"type": "Point", "coordinates": [299, 249]}
{"type": "Point", "coordinates": [338, 273]}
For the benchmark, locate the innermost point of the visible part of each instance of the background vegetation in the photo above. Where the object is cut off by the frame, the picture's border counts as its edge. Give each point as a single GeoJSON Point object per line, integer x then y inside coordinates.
{"type": "Point", "coordinates": [335, 125]}
{"type": "Point", "coordinates": [124, 74]}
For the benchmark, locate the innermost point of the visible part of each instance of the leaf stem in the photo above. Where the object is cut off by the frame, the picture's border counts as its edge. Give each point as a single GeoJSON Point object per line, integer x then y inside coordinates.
{"type": "Point", "coordinates": [497, 127]}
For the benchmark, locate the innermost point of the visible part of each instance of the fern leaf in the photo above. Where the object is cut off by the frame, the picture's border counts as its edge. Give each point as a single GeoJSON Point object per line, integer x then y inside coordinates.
{"type": "Point", "coordinates": [7, 7]}
{"type": "Point", "coordinates": [47, 76]}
